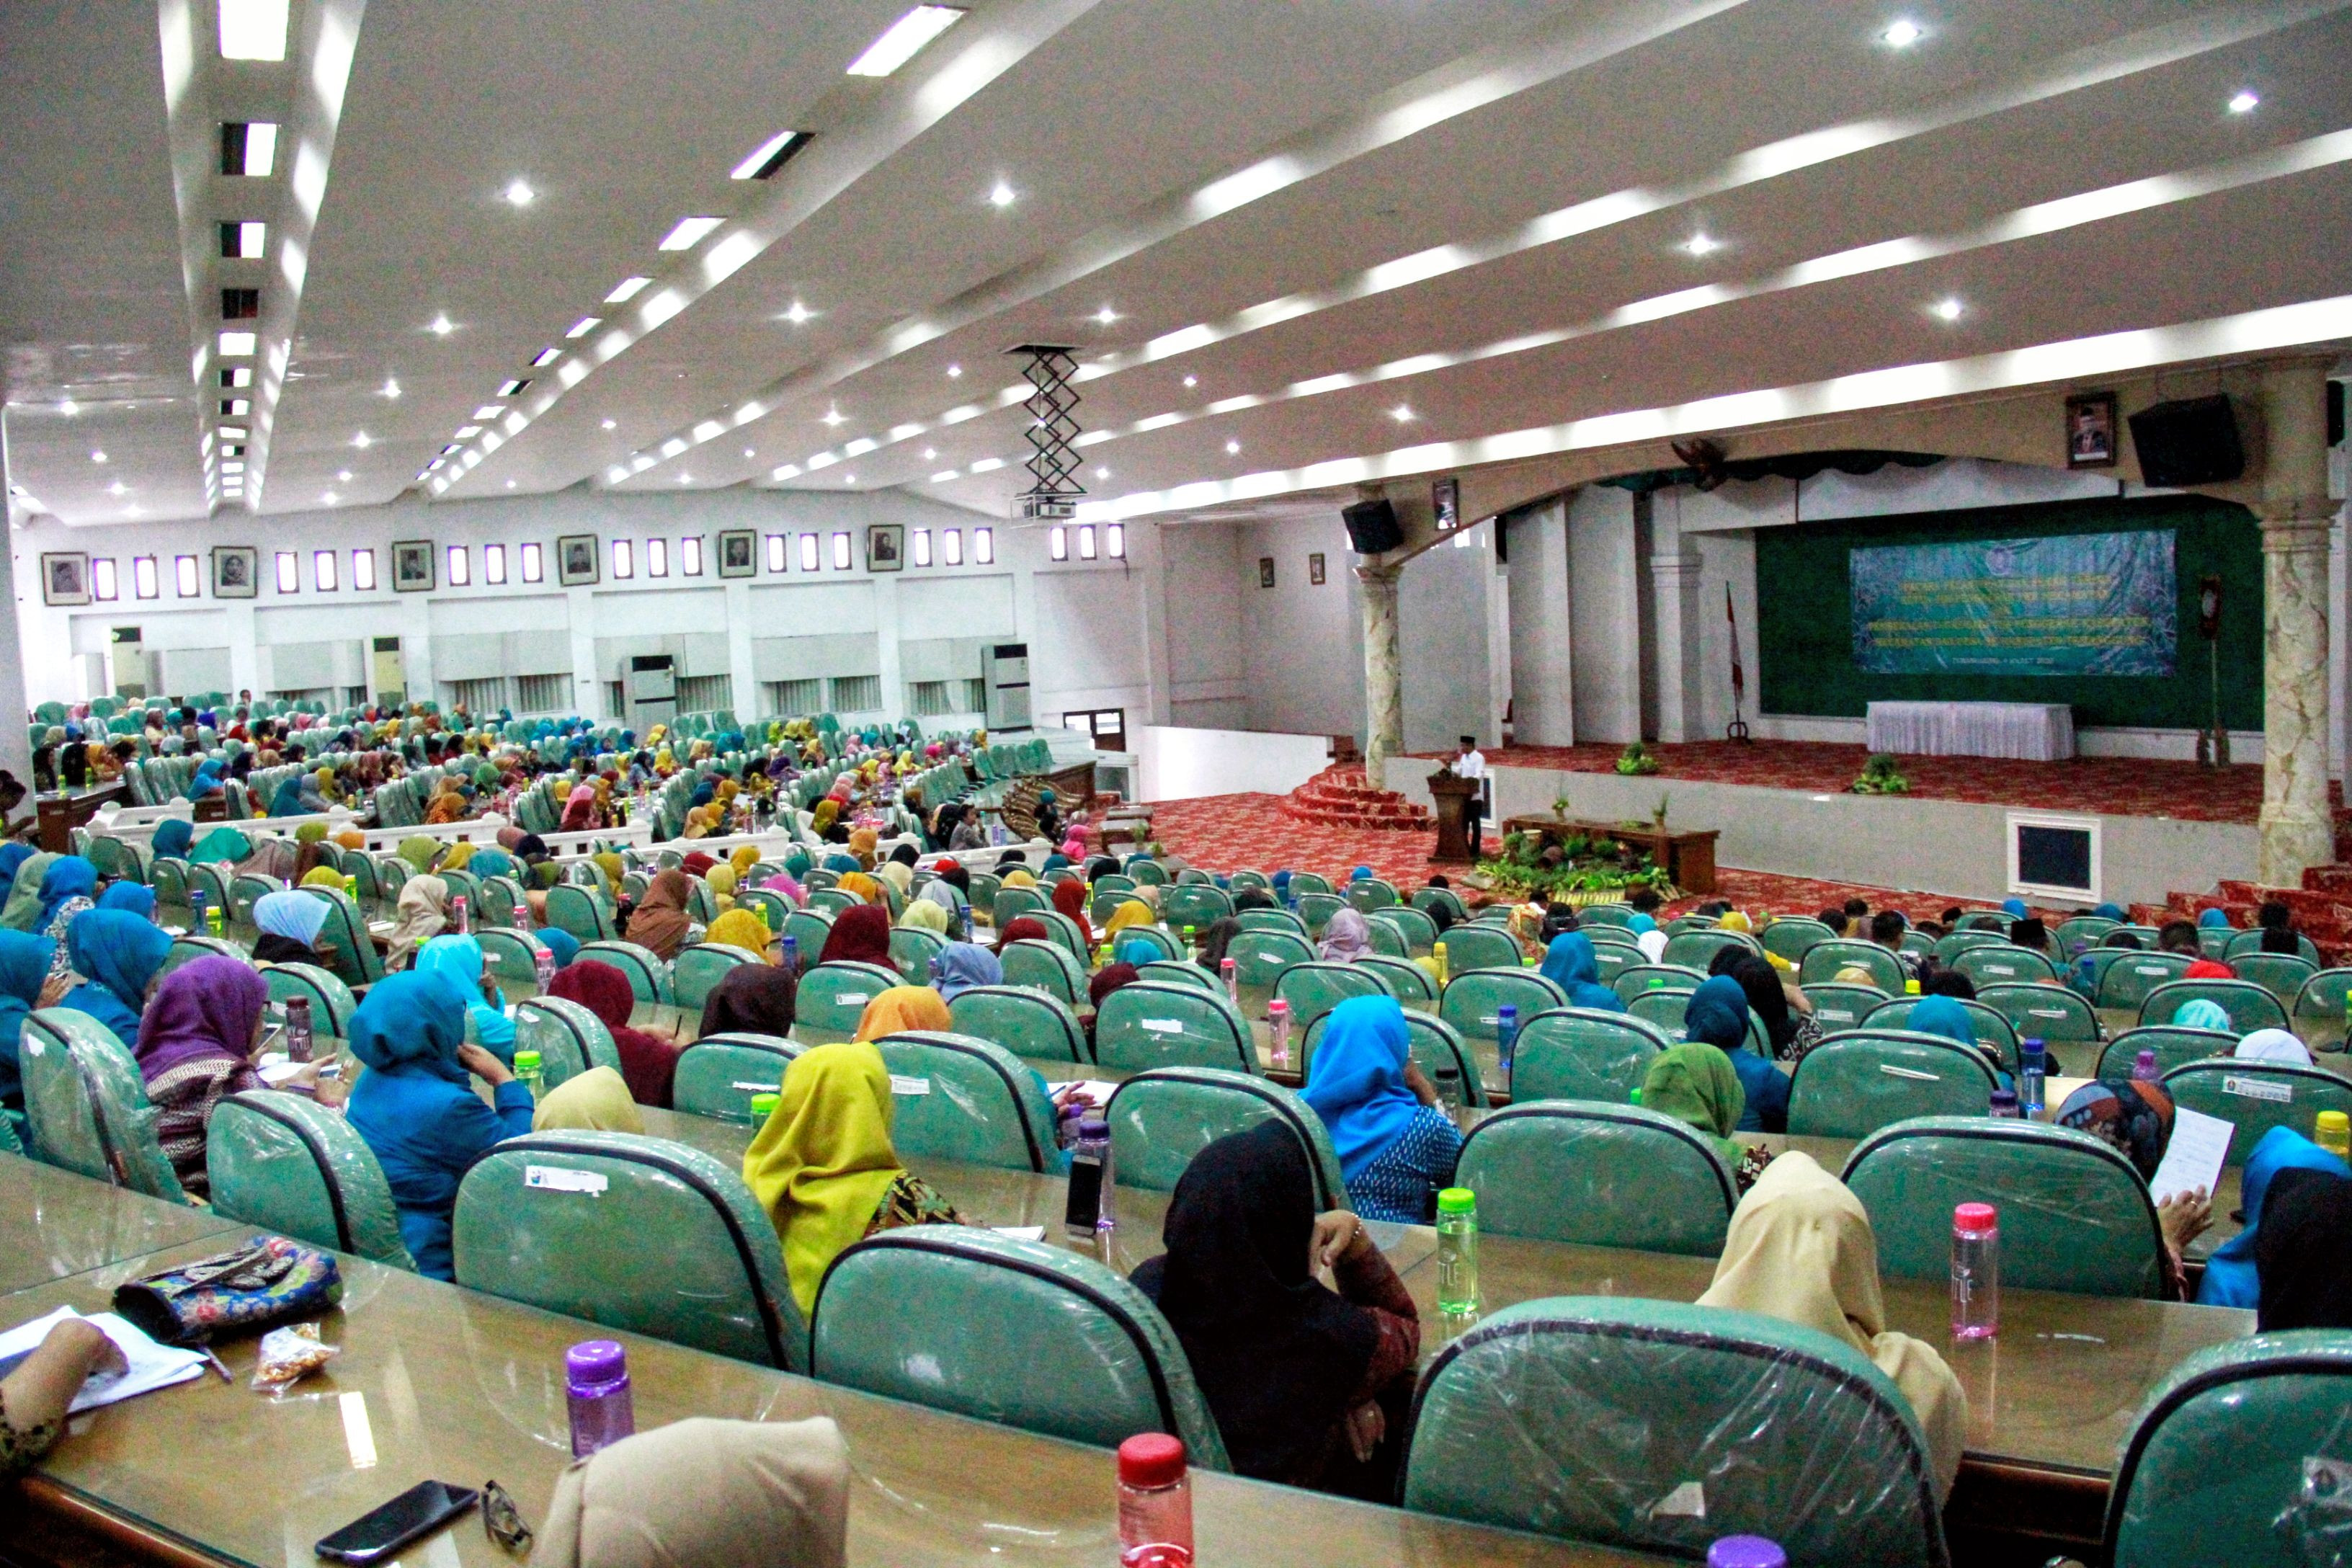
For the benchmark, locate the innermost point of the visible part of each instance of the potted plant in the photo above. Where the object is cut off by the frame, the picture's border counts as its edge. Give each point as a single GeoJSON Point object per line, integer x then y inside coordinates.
{"type": "Point", "coordinates": [1880, 776]}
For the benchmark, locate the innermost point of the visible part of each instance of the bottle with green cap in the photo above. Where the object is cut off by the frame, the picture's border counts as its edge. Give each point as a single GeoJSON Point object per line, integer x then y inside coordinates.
{"type": "Point", "coordinates": [526, 1066]}
{"type": "Point", "coordinates": [764, 1106]}
{"type": "Point", "coordinates": [1457, 1251]}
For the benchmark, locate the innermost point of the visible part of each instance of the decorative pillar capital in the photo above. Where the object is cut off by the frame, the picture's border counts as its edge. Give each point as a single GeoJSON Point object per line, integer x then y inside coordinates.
{"type": "Point", "coordinates": [1379, 575]}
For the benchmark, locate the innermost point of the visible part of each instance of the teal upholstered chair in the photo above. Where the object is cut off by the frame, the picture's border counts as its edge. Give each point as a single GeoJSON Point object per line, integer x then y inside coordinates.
{"type": "Point", "coordinates": [87, 1106]}
{"type": "Point", "coordinates": [631, 1231]}
{"type": "Point", "coordinates": [2062, 1020]}
{"type": "Point", "coordinates": [701, 969]}
{"type": "Point", "coordinates": [648, 977]}
{"type": "Point", "coordinates": [719, 1075]}
{"type": "Point", "coordinates": [833, 997]}
{"type": "Point", "coordinates": [1433, 1044]}
{"type": "Point", "coordinates": [1194, 904]}
{"type": "Point", "coordinates": [1473, 1002]}
{"type": "Point", "coordinates": [188, 949]}
{"type": "Point", "coordinates": [1419, 932]}
{"type": "Point", "coordinates": [2125, 982]}
{"type": "Point", "coordinates": [2249, 1006]}
{"type": "Point", "coordinates": [511, 956]}
{"type": "Point", "coordinates": [2172, 1044]}
{"type": "Point", "coordinates": [1044, 966]}
{"type": "Point", "coordinates": [1316, 909]}
{"type": "Point", "coordinates": [2320, 1005]}
{"type": "Point", "coordinates": [356, 961]}
{"type": "Point", "coordinates": [1471, 946]}
{"type": "Point", "coordinates": [911, 952]}
{"type": "Point", "coordinates": [1697, 949]}
{"type": "Point", "coordinates": [2283, 974]}
{"type": "Point", "coordinates": [1793, 938]}
{"type": "Point", "coordinates": [1852, 1084]}
{"type": "Point", "coordinates": [1601, 1174]}
{"type": "Point", "coordinates": [1314, 989]}
{"type": "Point", "coordinates": [1026, 1023]}
{"type": "Point", "coordinates": [2257, 1096]}
{"type": "Point", "coordinates": [2005, 964]}
{"type": "Point", "coordinates": [809, 930]}
{"type": "Point", "coordinates": [286, 1164]}
{"type": "Point", "coordinates": [1825, 958]}
{"type": "Point", "coordinates": [331, 1002]}
{"type": "Point", "coordinates": [1161, 1118]}
{"type": "Point", "coordinates": [569, 1039]}
{"type": "Point", "coordinates": [2246, 942]}
{"type": "Point", "coordinates": [1366, 894]}
{"type": "Point", "coordinates": [1634, 979]}
{"type": "Point", "coordinates": [1261, 954]}
{"type": "Point", "coordinates": [1169, 972]}
{"type": "Point", "coordinates": [1150, 1024]}
{"type": "Point", "coordinates": [1270, 920]}
{"type": "Point", "coordinates": [244, 889]}
{"type": "Point", "coordinates": [1993, 1029]}
{"type": "Point", "coordinates": [1583, 1053]}
{"type": "Point", "coordinates": [1842, 1006]}
{"type": "Point", "coordinates": [1949, 948]}
{"type": "Point", "coordinates": [954, 1097]}
{"type": "Point", "coordinates": [580, 911]}
{"type": "Point", "coordinates": [1403, 979]}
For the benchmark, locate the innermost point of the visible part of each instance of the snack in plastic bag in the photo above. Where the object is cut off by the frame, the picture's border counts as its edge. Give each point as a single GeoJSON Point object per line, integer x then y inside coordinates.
{"type": "Point", "coordinates": [289, 1355]}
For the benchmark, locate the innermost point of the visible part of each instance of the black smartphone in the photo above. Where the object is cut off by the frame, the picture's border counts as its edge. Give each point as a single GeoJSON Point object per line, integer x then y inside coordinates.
{"type": "Point", "coordinates": [1085, 1197]}
{"type": "Point", "coordinates": [376, 1535]}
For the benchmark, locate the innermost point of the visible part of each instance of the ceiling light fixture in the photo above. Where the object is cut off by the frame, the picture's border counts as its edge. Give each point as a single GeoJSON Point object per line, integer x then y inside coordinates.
{"type": "Point", "coordinates": [904, 38]}
{"type": "Point", "coordinates": [1233, 448]}
{"type": "Point", "coordinates": [253, 29]}
{"type": "Point", "coordinates": [769, 156]}
{"type": "Point", "coordinates": [118, 489]}
{"type": "Point", "coordinates": [343, 477]}
{"type": "Point", "coordinates": [97, 457]}
{"type": "Point", "coordinates": [930, 454]}
{"type": "Point", "coordinates": [1402, 414]}
{"type": "Point", "coordinates": [750, 452]}
{"type": "Point", "coordinates": [69, 408]}
{"type": "Point", "coordinates": [625, 290]}
{"type": "Point", "coordinates": [849, 479]}
{"type": "Point", "coordinates": [1902, 34]}
{"type": "Point", "coordinates": [612, 425]}
{"type": "Point", "coordinates": [1102, 473]}
{"type": "Point", "coordinates": [1002, 194]}
{"type": "Point", "coordinates": [546, 357]}
{"type": "Point", "coordinates": [519, 193]}
{"type": "Point", "coordinates": [329, 497]}
{"type": "Point", "coordinates": [834, 416]}
{"type": "Point", "coordinates": [467, 432]}
{"type": "Point", "coordinates": [2245, 102]}
{"type": "Point", "coordinates": [583, 326]}
{"type": "Point", "coordinates": [1192, 381]}
{"type": "Point", "coordinates": [796, 313]}
{"type": "Point", "coordinates": [1949, 309]}
{"type": "Point", "coordinates": [1702, 245]}
{"type": "Point", "coordinates": [685, 479]}
{"type": "Point", "coordinates": [391, 388]}
{"type": "Point", "coordinates": [236, 345]}
{"type": "Point", "coordinates": [509, 484]}
{"type": "Point", "coordinates": [688, 233]}
{"type": "Point", "coordinates": [441, 326]}
{"type": "Point", "coordinates": [489, 411]}
{"type": "Point", "coordinates": [362, 440]}
{"type": "Point", "coordinates": [955, 373]}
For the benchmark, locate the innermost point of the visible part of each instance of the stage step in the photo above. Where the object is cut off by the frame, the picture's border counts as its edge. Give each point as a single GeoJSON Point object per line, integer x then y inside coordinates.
{"type": "Point", "coordinates": [1340, 796]}
{"type": "Point", "coordinates": [2322, 907]}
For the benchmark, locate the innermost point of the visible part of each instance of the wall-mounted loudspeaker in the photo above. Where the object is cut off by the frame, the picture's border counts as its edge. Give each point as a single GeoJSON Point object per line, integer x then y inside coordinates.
{"type": "Point", "coordinates": [2193, 441]}
{"type": "Point", "coordinates": [1372, 527]}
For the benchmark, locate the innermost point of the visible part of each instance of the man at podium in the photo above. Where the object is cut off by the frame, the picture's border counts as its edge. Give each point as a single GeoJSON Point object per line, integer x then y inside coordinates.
{"type": "Point", "coordinates": [1470, 763]}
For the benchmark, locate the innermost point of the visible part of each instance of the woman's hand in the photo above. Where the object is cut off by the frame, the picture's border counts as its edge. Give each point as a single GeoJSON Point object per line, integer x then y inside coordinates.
{"type": "Point", "coordinates": [1798, 1001]}
{"type": "Point", "coordinates": [483, 1065]}
{"type": "Point", "coordinates": [1418, 1081]}
{"type": "Point", "coordinates": [1338, 1233]}
{"type": "Point", "coordinates": [2185, 1217]}
{"type": "Point", "coordinates": [55, 990]}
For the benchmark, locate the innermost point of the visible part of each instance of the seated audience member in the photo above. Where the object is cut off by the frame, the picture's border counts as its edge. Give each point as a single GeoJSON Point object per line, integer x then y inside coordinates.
{"type": "Point", "coordinates": [861, 935]}
{"type": "Point", "coordinates": [597, 1100]}
{"type": "Point", "coordinates": [2128, 940]}
{"type": "Point", "coordinates": [2271, 1045]}
{"type": "Point", "coordinates": [1950, 919]}
{"type": "Point", "coordinates": [35, 1395]}
{"type": "Point", "coordinates": [1716, 1015]}
{"type": "Point", "coordinates": [415, 1105]}
{"type": "Point", "coordinates": [648, 1060]}
{"type": "Point", "coordinates": [1309, 1387]}
{"type": "Point", "coordinates": [1213, 940]}
{"type": "Point", "coordinates": [753, 999]}
{"type": "Point", "coordinates": [130, 897]}
{"type": "Point", "coordinates": [291, 923]}
{"type": "Point", "coordinates": [660, 921]}
{"type": "Point", "coordinates": [1111, 977]}
{"type": "Point", "coordinates": [2136, 1119]}
{"type": "Point", "coordinates": [1070, 899]}
{"type": "Point", "coordinates": [822, 1165]}
{"type": "Point", "coordinates": [118, 957]}
{"type": "Point", "coordinates": [1856, 911]}
{"type": "Point", "coordinates": [2177, 936]}
{"type": "Point", "coordinates": [2029, 932]}
{"type": "Point", "coordinates": [1694, 1083]}
{"type": "Point", "coordinates": [960, 966]}
{"type": "Point", "coordinates": [460, 958]}
{"type": "Point", "coordinates": [1886, 929]}
{"type": "Point", "coordinates": [704, 1493]}
{"type": "Point", "coordinates": [1570, 963]}
{"type": "Point", "coordinates": [1641, 900]}
{"type": "Point", "coordinates": [1253, 899]}
{"type": "Point", "coordinates": [2300, 1262]}
{"type": "Point", "coordinates": [2281, 939]}
{"type": "Point", "coordinates": [901, 1009]}
{"type": "Point", "coordinates": [1348, 936]}
{"type": "Point", "coordinates": [2209, 969]}
{"type": "Point", "coordinates": [2203, 1013]}
{"type": "Point", "coordinates": [420, 914]}
{"type": "Point", "coordinates": [2272, 914]}
{"type": "Point", "coordinates": [744, 930]}
{"type": "Point", "coordinates": [196, 1045]}
{"type": "Point", "coordinates": [1396, 1146]}
{"type": "Point", "coordinates": [25, 983]}
{"type": "Point", "coordinates": [1835, 918]}
{"type": "Point", "coordinates": [2231, 1274]}
{"type": "Point", "coordinates": [1942, 982]}
{"type": "Point", "coordinates": [1781, 1003]}
{"type": "Point", "coordinates": [1800, 1249]}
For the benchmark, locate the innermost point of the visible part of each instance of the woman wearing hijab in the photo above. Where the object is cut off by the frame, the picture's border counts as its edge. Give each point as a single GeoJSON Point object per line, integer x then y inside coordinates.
{"type": "Point", "coordinates": [1130, 912]}
{"type": "Point", "coordinates": [2231, 1276]}
{"type": "Point", "coordinates": [1346, 939]}
{"type": "Point", "coordinates": [130, 897]}
{"type": "Point", "coordinates": [960, 965]}
{"type": "Point", "coordinates": [1303, 1383]}
{"type": "Point", "coordinates": [648, 1061]}
{"type": "Point", "coordinates": [902, 1008]}
{"type": "Point", "coordinates": [112, 960]}
{"type": "Point", "coordinates": [195, 1048]}
{"type": "Point", "coordinates": [1070, 899]}
{"type": "Point", "coordinates": [899, 873]}
{"type": "Point", "coordinates": [860, 936]}
{"type": "Point", "coordinates": [174, 837]}
{"type": "Point", "coordinates": [922, 914]}
{"type": "Point", "coordinates": [860, 885]}
{"type": "Point", "coordinates": [659, 921]}
{"type": "Point", "coordinates": [864, 842]}
{"type": "Point", "coordinates": [1788, 1016]}
{"type": "Point", "coordinates": [460, 958]}
{"type": "Point", "coordinates": [597, 1100]}
{"type": "Point", "coordinates": [1694, 1083]}
{"type": "Point", "coordinates": [416, 1108]}
{"type": "Point", "coordinates": [743, 929]}
{"type": "Point", "coordinates": [69, 887]}
{"type": "Point", "coordinates": [289, 924]}
{"type": "Point", "coordinates": [1716, 1015]}
{"type": "Point", "coordinates": [421, 913]}
{"type": "Point", "coordinates": [952, 900]}
{"type": "Point", "coordinates": [753, 1000]}
{"type": "Point", "coordinates": [1800, 1249]}
{"type": "Point", "coordinates": [24, 978]}
{"type": "Point", "coordinates": [823, 1167]}
{"type": "Point", "coordinates": [2204, 1014]}
{"type": "Point", "coordinates": [1396, 1147]}
{"type": "Point", "coordinates": [2136, 1119]}
{"type": "Point", "coordinates": [1944, 1015]}
{"type": "Point", "coordinates": [2272, 1046]}
{"type": "Point", "coordinates": [1570, 963]}
{"type": "Point", "coordinates": [703, 1493]}
{"type": "Point", "coordinates": [2299, 1259]}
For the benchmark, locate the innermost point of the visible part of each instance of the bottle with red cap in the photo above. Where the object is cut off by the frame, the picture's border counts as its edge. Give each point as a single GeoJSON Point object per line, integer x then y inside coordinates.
{"type": "Point", "coordinates": [1155, 1503]}
{"type": "Point", "coordinates": [1976, 1271]}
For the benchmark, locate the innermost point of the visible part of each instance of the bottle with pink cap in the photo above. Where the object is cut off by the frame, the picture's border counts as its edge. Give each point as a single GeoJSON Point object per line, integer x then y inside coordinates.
{"type": "Point", "coordinates": [1976, 1271]}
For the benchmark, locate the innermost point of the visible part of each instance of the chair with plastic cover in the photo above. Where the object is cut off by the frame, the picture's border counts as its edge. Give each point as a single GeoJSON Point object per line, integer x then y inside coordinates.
{"type": "Point", "coordinates": [285, 1162]}
{"type": "Point", "coordinates": [581, 912]}
{"type": "Point", "coordinates": [1161, 1118]}
{"type": "Point", "coordinates": [1317, 909]}
{"type": "Point", "coordinates": [2172, 1043]}
{"type": "Point", "coordinates": [1419, 932]}
{"type": "Point", "coordinates": [1042, 966]}
{"type": "Point", "coordinates": [1026, 1023]}
{"type": "Point", "coordinates": [2237, 1456]}
{"type": "Point", "coordinates": [833, 997]}
{"type": "Point", "coordinates": [956, 1097]}
{"type": "Point", "coordinates": [2074, 1214]}
{"type": "Point", "coordinates": [1426, 899]}
{"type": "Point", "coordinates": [88, 1111]}
{"type": "Point", "coordinates": [356, 961]}
{"type": "Point", "coordinates": [810, 929]}
{"type": "Point", "coordinates": [1169, 972]}
{"type": "Point", "coordinates": [510, 956]}
{"type": "Point", "coordinates": [1842, 1006]}
{"type": "Point", "coordinates": [1825, 958]}
{"type": "Point", "coordinates": [1794, 937]}
{"type": "Point", "coordinates": [1660, 1426]}
{"type": "Point", "coordinates": [1472, 1003]}
{"type": "Point", "coordinates": [719, 1075]}
{"type": "Point", "coordinates": [2246, 941]}
{"type": "Point", "coordinates": [2051, 1014]}
{"type": "Point", "coordinates": [569, 1039]}
{"type": "Point", "coordinates": [1994, 1030]}
{"type": "Point", "coordinates": [1261, 955]}
{"type": "Point", "coordinates": [2004, 965]}
{"type": "Point", "coordinates": [2128, 982]}
{"type": "Point", "coordinates": [2256, 1096]}
{"type": "Point", "coordinates": [1583, 1053]}
{"type": "Point", "coordinates": [331, 1002]}
{"type": "Point", "coordinates": [1270, 920]}
{"type": "Point", "coordinates": [2283, 974]}
{"type": "Point", "coordinates": [1014, 1332]}
{"type": "Point", "coordinates": [1697, 949]}
{"type": "Point", "coordinates": [1150, 1024]}
{"type": "Point", "coordinates": [1852, 1084]}
{"type": "Point", "coordinates": [1949, 947]}
{"type": "Point", "coordinates": [911, 950]}
{"type": "Point", "coordinates": [1635, 978]}
{"type": "Point", "coordinates": [1315, 988]}
{"type": "Point", "coordinates": [1194, 904]}
{"type": "Point", "coordinates": [1435, 1046]}
{"type": "Point", "coordinates": [1403, 979]}
{"type": "Point", "coordinates": [634, 1232]}
{"type": "Point", "coordinates": [1597, 1174]}
{"type": "Point", "coordinates": [699, 970]}
{"type": "Point", "coordinates": [188, 949]}
{"type": "Point", "coordinates": [648, 977]}
{"type": "Point", "coordinates": [1472, 945]}
{"type": "Point", "coordinates": [2249, 1006]}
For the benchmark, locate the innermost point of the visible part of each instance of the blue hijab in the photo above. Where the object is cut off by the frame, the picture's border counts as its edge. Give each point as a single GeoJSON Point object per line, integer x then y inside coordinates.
{"type": "Point", "coordinates": [960, 965]}
{"type": "Point", "coordinates": [11, 857]}
{"type": "Point", "coordinates": [460, 959]}
{"type": "Point", "coordinates": [69, 876]}
{"type": "Point", "coordinates": [2213, 920]}
{"type": "Point", "coordinates": [119, 952]}
{"type": "Point", "coordinates": [1137, 953]}
{"type": "Point", "coordinates": [174, 837]}
{"type": "Point", "coordinates": [1570, 963]}
{"type": "Point", "coordinates": [1716, 1013]}
{"type": "Point", "coordinates": [1356, 1080]}
{"type": "Point", "coordinates": [2229, 1277]}
{"type": "Point", "coordinates": [412, 1023]}
{"type": "Point", "coordinates": [559, 941]}
{"type": "Point", "coordinates": [130, 897]}
{"type": "Point", "coordinates": [1942, 1015]}
{"type": "Point", "coordinates": [288, 799]}
{"type": "Point", "coordinates": [24, 966]}
{"type": "Point", "coordinates": [207, 780]}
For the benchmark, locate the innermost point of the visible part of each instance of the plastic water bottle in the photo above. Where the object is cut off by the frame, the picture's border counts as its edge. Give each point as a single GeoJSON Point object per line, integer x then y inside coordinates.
{"type": "Point", "coordinates": [1155, 1503]}
{"type": "Point", "coordinates": [1102, 956]}
{"type": "Point", "coordinates": [792, 961]}
{"type": "Point", "coordinates": [1976, 1271]}
{"type": "Point", "coordinates": [542, 964]}
{"type": "Point", "coordinates": [1093, 1148]}
{"type": "Point", "coordinates": [1746, 1551]}
{"type": "Point", "coordinates": [2032, 1071]}
{"type": "Point", "coordinates": [1438, 953]}
{"type": "Point", "coordinates": [763, 1105]}
{"type": "Point", "coordinates": [1447, 1080]}
{"type": "Point", "coordinates": [1232, 973]}
{"type": "Point", "coordinates": [351, 889]}
{"type": "Point", "coordinates": [1506, 1035]}
{"type": "Point", "coordinates": [2143, 1067]}
{"type": "Point", "coordinates": [214, 919]}
{"type": "Point", "coordinates": [2004, 1105]}
{"type": "Point", "coordinates": [2333, 1132]}
{"type": "Point", "coordinates": [522, 921]}
{"type": "Point", "coordinates": [1457, 1251]}
{"type": "Point", "coordinates": [459, 916]}
{"type": "Point", "coordinates": [597, 1380]}
{"type": "Point", "coordinates": [527, 1070]}
{"type": "Point", "coordinates": [1277, 1012]}
{"type": "Point", "coordinates": [197, 909]}
{"type": "Point", "coordinates": [297, 1029]}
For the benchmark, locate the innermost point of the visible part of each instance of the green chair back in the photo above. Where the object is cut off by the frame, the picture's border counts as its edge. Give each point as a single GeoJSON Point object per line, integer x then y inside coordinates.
{"type": "Point", "coordinates": [1149, 874]}
{"type": "Point", "coordinates": [1792, 938]}
{"type": "Point", "coordinates": [833, 997]}
{"type": "Point", "coordinates": [831, 900]}
{"type": "Point", "coordinates": [1419, 932]}
{"type": "Point", "coordinates": [2172, 1044]}
{"type": "Point", "coordinates": [1473, 1002]}
{"type": "Point", "coordinates": [1026, 1023]}
{"type": "Point", "coordinates": [810, 929]}
{"type": "Point", "coordinates": [1634, 979]}
{"type": "Point", "coordinates": [1194, 904]}
{"type": "Point", "coordinates": [1366, 894]}
{"type": "Point", "coordinates": [2083, 931]}
{"type": "Point", "coordinates": [634, 1232]}
{"type": "Point", "coordinates": [1599, 1174]}
{"type": "Point", "coordinates": [2250, 941]}
{"type": "Point", "coordinates": [2074, 1214]}
{"type": "Point", "coordinates": [1447, 898]}
{"type": "Point", "coordinates": [1585, 1054]}
{"type": "Point", "coordinates": [1169, 972]}
{"type": "Point", "coordinates": [911, 952]}
{"type": "Point", "coordinates": [284, 1162]}
{"type": "Point", "coordinates": [1825, 958]}
{"type": "Point", "coordinates": [1011, 903]}
{"type": "Point", "coordinates": [1577, 1417]}
{"type": "Point", "coordinates": [1949, 948]}
{"type": "Point", "coordinates": [699, 970]}
{"type": "Point", "coordinates": [2283, 974]}
{"type": "Point", "coordinates": [1697, 949]}
{"type": "Point", "coordinates": [2052, 1013]}
{"type": "Point", "coordinates": [1851, 1084]}
{"type": "Point", "coordinates": [1161, 1118]}
{"type": "Point", "coordinates": [1044, 966]}
{"type": "Point", "coordinates": [188, 949]}
{"type": "Point", "coordinates": [1065, 932]}
{"type": "Point", "coordinates": [87, 1106]}
{"type": "Point", "coordinates": [2249, 1005]}
{"type": "Point", "coordinates": [1402, 978]}
{"type": "Point", "coordinates": [1316, 910]}
{"type": "Point", "coordinates": [331, 1002]}
{"type": "Point", "coordinates": [773, 907]}
{"type": "Point", "coordinates": [1261, 954]}
{"type": "Point", "coordinates": [1314, 989]}
{"type": "Point", "coordinates": [2004, 965]}
{"type": "Point", "coordinates": [1471, 946]}
{"type": "Point", "coordinates": [1840, 1007]}
{"type": "Point", "coordinates": [2258, 1096]}
{"type": "Point", "coordinates": [954, 1097]}
{"type": "Point", "coordinates": [510, 955]}
{"type": "Point", "coordinates": [1270, 920]}
{"type": "Point", "coordinates": [170, 880]}
{"type": "Point", "coordinates": [356, 961]}
{"type": "Point", "coordinates": [1994, 1030]}
{"type": "Point", "coordinates": [2128, 982]}
{"type": "Point", "coordinates": [569, 1039]}
{"type": "Point", "coordinates": [1148, 1025]}
{"type": "Point", "coordinates": [649, 979]}
{"type": "Point", "coordinates": [2326, 996]}
{"type": "Point", "coordinates": [718, 1075]}
{"type": "Point", "coordinates": [580, 911]}
{"type": "Point", "coordinates": [1988, 921]}
{"type": "Point", "coordinates": [1159, 938]}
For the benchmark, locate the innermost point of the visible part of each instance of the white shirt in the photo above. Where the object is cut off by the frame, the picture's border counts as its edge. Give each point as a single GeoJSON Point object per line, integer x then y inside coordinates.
{"type": "Point", "coordinates": [1470, 765]}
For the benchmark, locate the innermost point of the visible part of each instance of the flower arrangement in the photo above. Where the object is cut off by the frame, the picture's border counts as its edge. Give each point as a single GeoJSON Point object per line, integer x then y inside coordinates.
{"type": "Point", "coordinates": [1880, 776]}
{"type": "Point", "coordinates": [1635, 759]}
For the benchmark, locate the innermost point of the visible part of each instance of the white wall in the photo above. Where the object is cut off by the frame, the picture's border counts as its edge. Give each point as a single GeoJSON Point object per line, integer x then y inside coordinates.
{"type": "Point", "coordinates": [1446, 610]}
{"type": "Point", "coordinates": [1604, 615]}
{"type": "Point", "coordinates": [1303, 643]}
{"type": "Point", "coordinates": [1541, 682]}
{"type": "Point", "coordinates": [1184, 763]}
{"type": "Point", "coordinates": [1208, 667]}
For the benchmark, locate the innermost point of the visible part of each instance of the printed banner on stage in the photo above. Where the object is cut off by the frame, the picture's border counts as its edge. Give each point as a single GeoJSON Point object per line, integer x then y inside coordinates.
{"type": "Point", "coordinates": [2077, 604]}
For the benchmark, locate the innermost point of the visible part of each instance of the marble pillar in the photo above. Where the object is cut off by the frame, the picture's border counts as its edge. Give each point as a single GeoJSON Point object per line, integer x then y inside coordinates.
{"type": "Point", "coordinates": [2297, 824]}
{"type": "Point", "coordinates": [1675, 609]}
{"type": "Point", "coordinates": [1383, 670]}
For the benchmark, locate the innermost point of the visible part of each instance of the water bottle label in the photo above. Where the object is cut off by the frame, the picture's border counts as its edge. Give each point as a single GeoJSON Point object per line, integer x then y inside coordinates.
{"type": "Point", "coordinates": [563, 1179]}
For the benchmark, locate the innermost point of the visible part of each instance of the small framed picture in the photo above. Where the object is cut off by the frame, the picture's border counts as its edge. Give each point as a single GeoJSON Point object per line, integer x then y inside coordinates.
{"type": "Point", "coordinates": [575, 560]}
{"type": "Point", "coordinates": [738, 554]}
{"type": "Point", "coordinates": [1445, 504]}
{"type": "Point", "coordinates": [1314, 570]}
{"type": "Point", "coordinates": [2090, 430]}
{"type": "Point", "coordinates": [885, 547]}
{"type": "Point", "coordinates": [236, 571]}
{"type": "Point", "coordinates": [1266, 571]}
{"type": "Point", "coordinates": [412, 566]}
{"type": "Point", "coordinates": [65, 578]}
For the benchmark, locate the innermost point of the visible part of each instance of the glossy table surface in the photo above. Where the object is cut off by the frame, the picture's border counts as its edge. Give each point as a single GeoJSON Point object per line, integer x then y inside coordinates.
{"type": "Point", "coordinates": [54, 1224]}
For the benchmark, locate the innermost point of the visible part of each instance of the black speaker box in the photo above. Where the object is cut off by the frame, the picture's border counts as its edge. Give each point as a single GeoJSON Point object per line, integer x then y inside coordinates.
{"type": "Point", "coordinates": [1372, 527]}
{"type": "Point", "coordinates": [2193, 441]}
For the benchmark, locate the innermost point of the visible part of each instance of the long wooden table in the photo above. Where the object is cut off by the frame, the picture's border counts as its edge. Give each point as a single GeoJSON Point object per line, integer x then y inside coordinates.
{"type": "Point", "coordinates": [54, 1224]}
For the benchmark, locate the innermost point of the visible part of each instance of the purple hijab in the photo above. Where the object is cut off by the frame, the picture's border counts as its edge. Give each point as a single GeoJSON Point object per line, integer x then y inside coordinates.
{"type": "Point", "coordinates": [207, 1006]}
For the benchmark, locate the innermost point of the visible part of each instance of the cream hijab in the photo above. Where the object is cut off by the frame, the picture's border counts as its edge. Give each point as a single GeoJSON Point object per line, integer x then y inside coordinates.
{"type": "Point", "coordinates": [1800, 1249]}
{"type": "Point", "coordinates": [421, 914]}
{"type": "Point", "coordinates": [596, 1100]}
{"type": "Point", "coordinates": [701, 1493]}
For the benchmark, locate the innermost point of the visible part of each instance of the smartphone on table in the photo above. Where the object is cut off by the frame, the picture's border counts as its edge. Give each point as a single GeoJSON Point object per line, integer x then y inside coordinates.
{"type": "Point", "coordinates": [377, 1535]}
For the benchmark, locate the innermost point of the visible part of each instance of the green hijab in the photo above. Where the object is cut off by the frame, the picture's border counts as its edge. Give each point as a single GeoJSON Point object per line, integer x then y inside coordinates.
{"type": "Point", "coordinates": [1693, 1082]}
{"type": "Point", "coordinates": [23, 909]}
{"type": "Point", "coordinates": [222, 844]}
{"type": "Point", "coordinates": [419, 850]}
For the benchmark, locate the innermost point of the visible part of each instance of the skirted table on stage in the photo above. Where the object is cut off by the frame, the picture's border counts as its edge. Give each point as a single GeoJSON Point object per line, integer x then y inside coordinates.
{"type": "Point", "coordinates": [2036, 732]}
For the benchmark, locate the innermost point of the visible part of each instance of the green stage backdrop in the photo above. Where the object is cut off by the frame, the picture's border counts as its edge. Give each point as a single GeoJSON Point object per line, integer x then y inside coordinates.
{"type": "Point", "coordinates": [2088, 602]}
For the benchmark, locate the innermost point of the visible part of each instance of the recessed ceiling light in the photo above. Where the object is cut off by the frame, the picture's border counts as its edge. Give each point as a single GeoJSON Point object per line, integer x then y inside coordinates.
{"type": "Point", "coordinates": [1102, 473]}
{"type": "Point", "coordinates": [133, 510]}
{"type": "Point", "coordinates": [929, 454]}
{"type": "Point", "coordinates": [904, 38]}
{"type": "Point", "coordinates": [232, 432]}
{"type": "Point", "coordinates": [1192, 381]}
{"type": "Point", "coordinates": [1233, 448]}
{"type": "Point", "coordinates": [750, 452]}
{"type": "Point", "coordinates": [391, 388]}
{"type": "Point", "coordinates": [236, 345]}
{"type": "Point", "coordinates": [441, 326]}
{"type": "Point", "coordinates": [612, 425]}
{"type": "Point", "coordinates": [1949, 309]}
{"type": "Point", "coordinates": [520, 194]}
{"type": "Point", "coordinates": [625, 290]}
{"type": "Point", "coordinates": [583, 326]}
{"type": "Point", "coordinates": [849, 479]}
{"type": "Point", "coordinates": [97, 457]}
{"type": "Point", "coordinates": [546, 357]}
{"type": "Point", "coordinates": [796, 313]}
{"type": "Point", "coordinates": [362, 440]}
{"type": "Point", "coordinates": [834, 417]}
{"type": "Point", "coordinates": [2245, 102]}
{"type": "Point", "coordinates": [1105, 315]}
{"type": "Point", "coordinates": [1702, 245]}
{"type": "Point", "coordinates": [253, 29]}
{"type": "Point", "coordinates": [118, 489]}
{"type": "Point", "coordinates": [69, 408]}
{"type": "Point", "coordinates": [1402, 414]}
{"type": "Point", "coordinates": [509, 484]}
{"type": "Point", "coordinates": [955, 373]}
{"type": "Point", "coordinates": [489, 411]}
{"type": "Point", "coordinates": [329, 497]}
{"type": "Point", "coordinates": [685, 479]}
{"type": "Point", "coordinates": [769, 156]}
{"type": "Point", "coordinates": [467, 432]}
{"type": "Point", "coordinates": [1902, 34]}
{"type": "Point", "coordinates": [689, 233]}
{"type": "Point", "coordinates": [344, 476]}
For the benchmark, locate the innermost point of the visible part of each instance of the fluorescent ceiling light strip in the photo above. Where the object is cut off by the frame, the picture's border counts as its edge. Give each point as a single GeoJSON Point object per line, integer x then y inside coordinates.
{"type": "Point", "coordinates": [253, 29]}
{"type": "Point", "coordinates": [768, 156]}
{"type": "Point", "coordinates": [904, 39]}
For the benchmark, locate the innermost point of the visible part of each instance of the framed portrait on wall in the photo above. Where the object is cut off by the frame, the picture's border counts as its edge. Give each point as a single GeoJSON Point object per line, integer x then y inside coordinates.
{"type": "Point", "coordinates": [1314, 570]}
{"type": "Point", "coordinates": [1445, 504]}
{"type": "Point", "coordinates": [236, 571]}
{"type": "Point", "coordinates": [885, 547]}
{"type": "Point", "coordinates": [2090, 430]}
{"type": "Point", "coordinates": [575, 560]}
{"type": "Point", "coordinates": [1266, 571]}
{"type": "Point", "coordinates": [739, 553]}
{"type": "Point", "coordinates": [412, 566]}
{"type": "Point", "coordinates": [64, 577]}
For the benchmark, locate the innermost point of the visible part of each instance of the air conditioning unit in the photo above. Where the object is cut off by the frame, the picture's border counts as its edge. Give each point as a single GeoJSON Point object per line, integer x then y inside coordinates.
{"type": "Point", "coordinates": [1005, 679]}
{"type": "Point", "coordinates": [649, 690]}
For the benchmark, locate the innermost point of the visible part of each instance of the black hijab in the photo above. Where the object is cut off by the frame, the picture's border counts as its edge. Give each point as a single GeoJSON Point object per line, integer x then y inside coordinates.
{"type": "Point", "coordinates": [1765, 996]}
{"type": "Point", "coordinates": [755, 999]}
{"type": "Point", "coordinates": [1218, 936]}
{"type": "Point", "coordinates": [2299, 1252]}
{"type": "Point", "coordinates": [1278, 1356]}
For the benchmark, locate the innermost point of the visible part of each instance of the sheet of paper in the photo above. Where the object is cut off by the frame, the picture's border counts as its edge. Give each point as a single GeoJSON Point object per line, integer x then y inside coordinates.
{"type": "Point", "coordinates": [2193, 1159]}
{"type": "Point", "coordinates": [1021, 1232]}
{"type": "Point", "coordinates": [152, 1366]}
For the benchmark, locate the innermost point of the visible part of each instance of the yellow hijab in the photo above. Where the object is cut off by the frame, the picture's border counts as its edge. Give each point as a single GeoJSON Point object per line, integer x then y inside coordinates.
{"type": "Point", "coordinates": [351, 838]}
{"type": "Point", "coordinates": [613, 868]}
{"type": "Point", "coordinates": [460, 853]}
{"type": "Point", "coordinates": [901, 1008]}
{"type": "Point", "coordinates": [1133, 912]}
{"type": "Point", "coordinates": [741, 929]}
{"type": "Point", "coordinates": [899, 874]}
{"type": "Point", "coordinates": [863, 885]}
{"type": "Point", "coordinates": [1732, 919]}
{"type": "Point", "coordinates": [925, 915]}
{"type": "Point", "coordinates": [323, 877]}
{"type": "Point", "coordinates": [596, 1100]}
{"type": "Point", "coordinates": [1018, 877]}
{"type": "Point", "coordinates": [1800, 1249]}
{"type": "Point", "coordinates": [745, 857]}
{"type": "Point", "coordinates": [822, 1161]}
{"type": "Point", "coordinates": [721, 877]}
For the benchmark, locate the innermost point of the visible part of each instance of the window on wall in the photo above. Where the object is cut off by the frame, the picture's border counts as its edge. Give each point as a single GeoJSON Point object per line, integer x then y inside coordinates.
{"type": "Point", "coordinates": [364, 571]}
{"type": "Point", "coordinates": [808, 552]}
{"type": "Point", "coordinates": [624, 559]}
{"type": "Point", "coordinates": [1058, 544]}
{"type": "Point", "coordinates": [856, 693]}
{"type": "Point", "coordinates": [1086, 541]}
{"type": "Point", "coordinates": [322, 570]}
{"type": "Point", "coordinates": [543, 694]}
{"type": "Point", "coordinates": [841, 556]}
{"type": "Point", "coordinates": [494, 565]}
{"type": "Point", "coordinates": [487, 695]}
{"type": "Point", "coordinates": [975, 696]}
{"type": "Point", "coordinates": [1115, 540]}
{"type": "Point", "coordinates": [290, 571]}
{"type": "Point", "coordinates": [535, 563]}
{"type": "Point", "coordinates": [795, 699]}
{"type": "Point", "coordinates": [145, 580]}
{"type": "Point", "coordinates": [775, 552]}
{"type": "Point", "coordinates": [929, 699]}
{"type": "Point", "coordinates": [952, 546]}
{"type": "Point", "coordinates": [658, 562]}
{"type": "Point", "coordinates": [191, 581]}
{"type": "Point", "coordinates": [918, 544]}
{"type": "Point", "coordinates": [984, 546]}
{"type": "Point", "coordinates": [705, 694]}
{"type": "Point", "coordinates": [461, 566]}
{"type": "Point", "coordinates": [102, 584]}
{"type": "Point", "coordinates": [689, 556]}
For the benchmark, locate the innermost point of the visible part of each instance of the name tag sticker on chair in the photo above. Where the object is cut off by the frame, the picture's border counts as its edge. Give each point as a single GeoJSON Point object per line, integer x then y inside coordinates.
{"type": "Point", "coordinates": [2047, 1012]}
{"type": "Point", "coordinates": [1841, 1017]}
{"type": "Point", "coordinates": [1687, 1500]}
{"type": "Point", "coordinates": [2001, 969]}
{"type": "Point", "coordinates": [2258, 1089]}
{"type": "Point", "coordinates": [852, 1000]}
{"type": "Point", "coordinates": [1891, 1071]}
{"type": "Point", "coordinates": [563, 1179]}
{"type": "Point", "coordinates": [2150, 969]}
{"type": "Point", "coordinates": [909, 1085]}
{"type": "Point", "coordinates": [753, 1087]}
{"type": "Point", "coordinates": [1164, 1026]}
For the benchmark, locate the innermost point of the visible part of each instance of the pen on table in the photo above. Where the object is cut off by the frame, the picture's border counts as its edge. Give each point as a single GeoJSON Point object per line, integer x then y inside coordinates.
{"type": "Point", "coordinates": [218, 1365]}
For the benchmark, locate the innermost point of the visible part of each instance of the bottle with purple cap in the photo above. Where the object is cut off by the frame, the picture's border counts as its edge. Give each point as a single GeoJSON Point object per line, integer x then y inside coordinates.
{"type": "Point", "coordinates": [596, 1376]}
{"type": "Point", "coordinates": [1746, 1551]}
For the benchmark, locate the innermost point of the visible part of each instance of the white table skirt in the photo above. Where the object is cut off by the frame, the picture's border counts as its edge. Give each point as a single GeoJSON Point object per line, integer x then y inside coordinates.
{"type": "Point", "coordinates": [2038, 731]}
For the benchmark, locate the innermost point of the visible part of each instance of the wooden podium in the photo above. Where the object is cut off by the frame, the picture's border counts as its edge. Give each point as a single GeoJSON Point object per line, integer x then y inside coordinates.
{"type": "Point", "coordinates": [1453, 797]}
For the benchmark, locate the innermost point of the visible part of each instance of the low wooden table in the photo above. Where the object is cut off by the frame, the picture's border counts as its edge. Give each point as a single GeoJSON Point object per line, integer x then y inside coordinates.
{"type": "Point", "coordinates": [1687, 856]}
